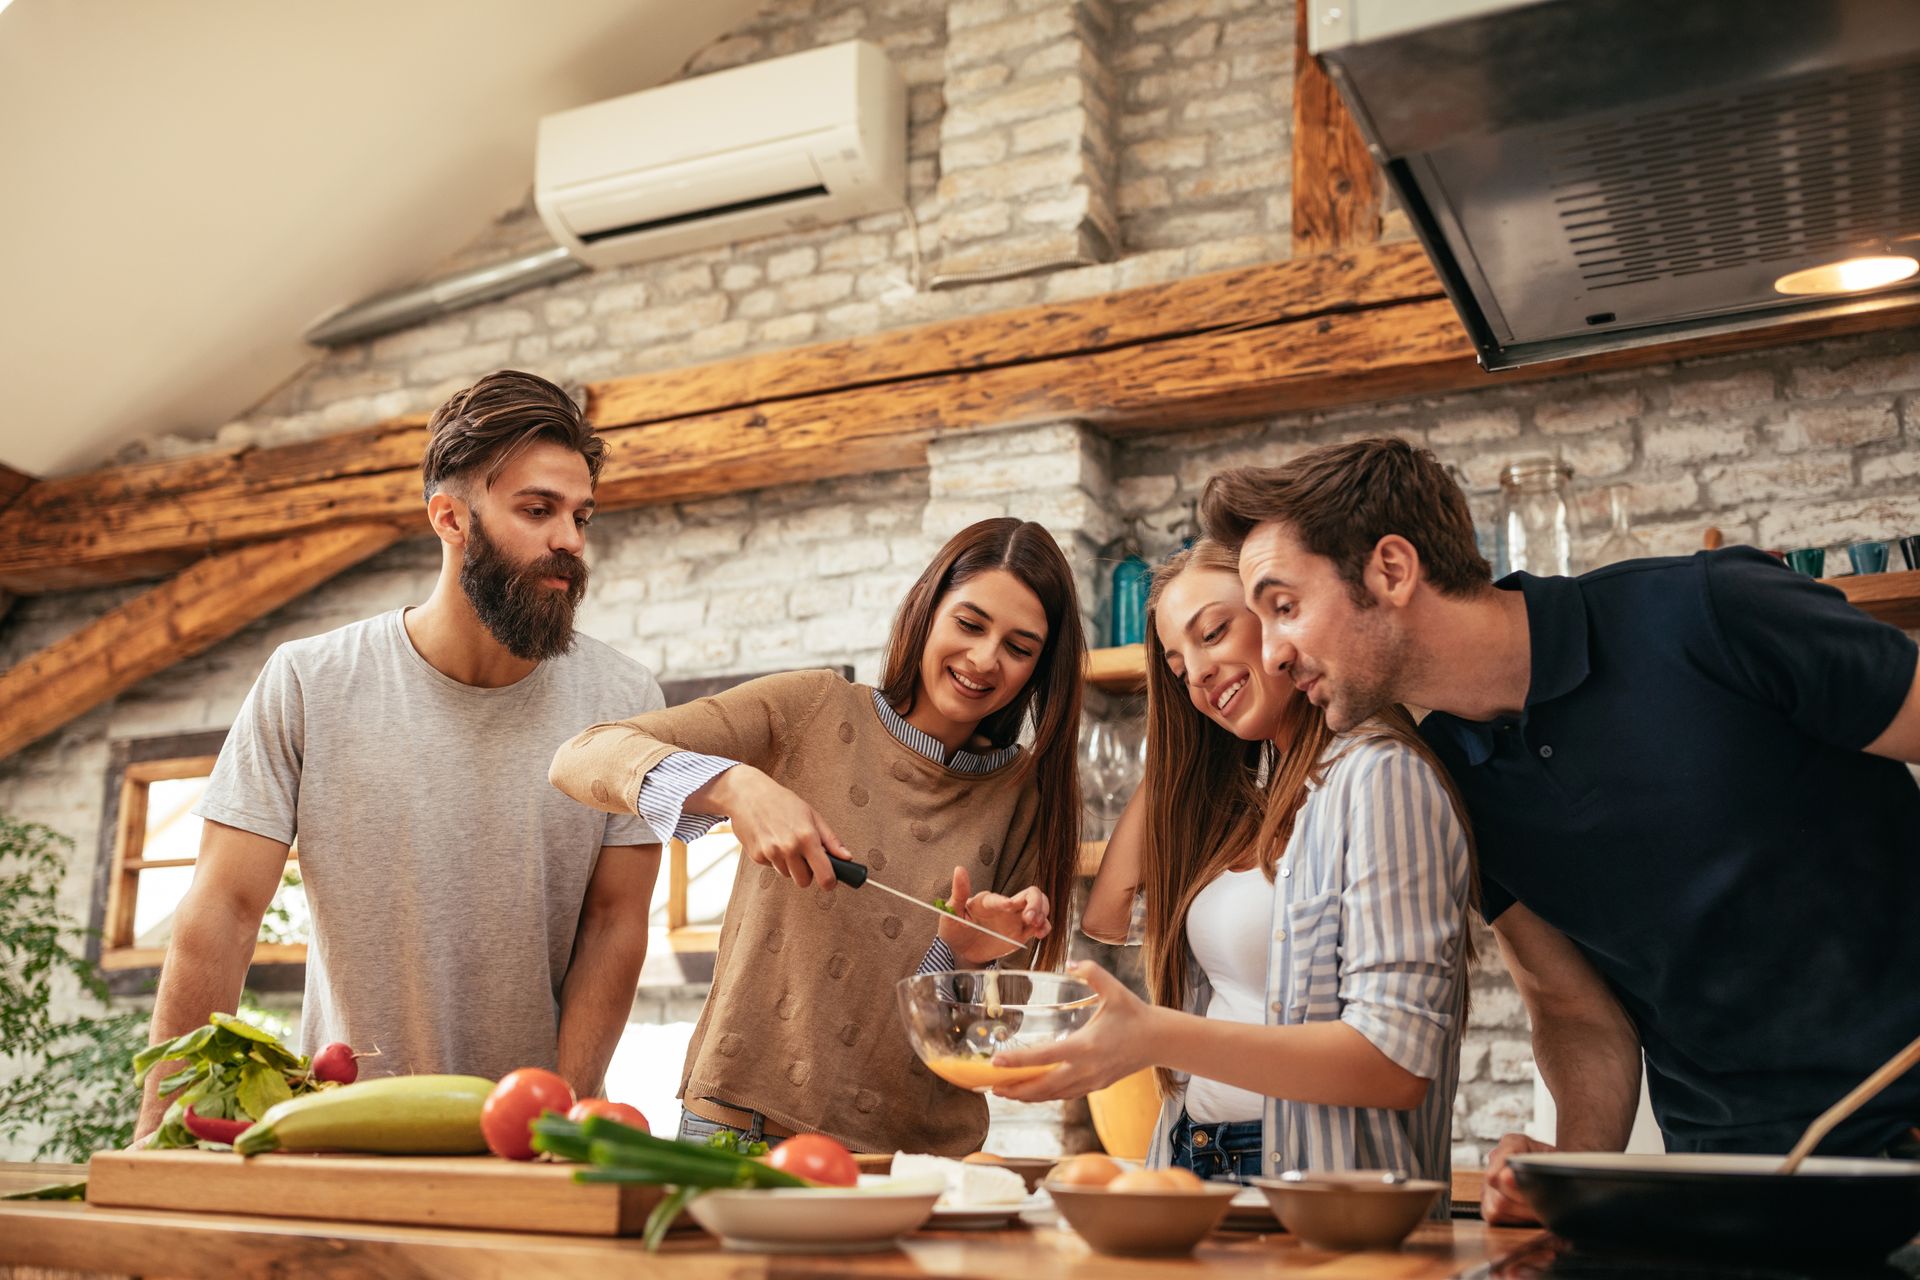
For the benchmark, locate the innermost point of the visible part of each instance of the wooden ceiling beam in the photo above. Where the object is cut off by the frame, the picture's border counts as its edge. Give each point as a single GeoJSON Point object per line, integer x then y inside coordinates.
{"type": "Point", "coordinates": [1337, 189]}
{"type": "Point", "coordinates": [124, 524]}
{"type": "Point", "coordinates": [12, 484]}
{"type": "Point", "coordinates": [202, 606]}
{"type": "Point", "coordinates": [1280, 339]}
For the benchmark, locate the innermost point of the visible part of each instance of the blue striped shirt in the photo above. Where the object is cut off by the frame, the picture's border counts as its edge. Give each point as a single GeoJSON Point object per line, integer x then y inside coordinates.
{"type": "Point", "coordinates": [1368, 928]}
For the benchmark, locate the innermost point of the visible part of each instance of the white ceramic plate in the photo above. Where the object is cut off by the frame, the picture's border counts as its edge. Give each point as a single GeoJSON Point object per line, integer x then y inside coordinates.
{"type": "Point", "coordinates": [985, 1217]}
{"type": "Point", "coordinates": [973, 1219]}
{"type": "Point", "coordinates": [869, 1217]}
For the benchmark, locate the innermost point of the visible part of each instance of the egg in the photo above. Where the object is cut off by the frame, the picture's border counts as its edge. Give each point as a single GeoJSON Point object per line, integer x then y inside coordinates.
{"type": "Point", "coordinates": [1181, 1180]}
{"type": "Point", "coordinates": [1084, 1171]}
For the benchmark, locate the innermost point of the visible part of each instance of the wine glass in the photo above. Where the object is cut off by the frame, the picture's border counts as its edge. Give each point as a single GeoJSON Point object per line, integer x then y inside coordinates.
{"type": "Point", "coordinates": [1093, 752]}
{"type": "Point", "coordinates": [1127, 766]}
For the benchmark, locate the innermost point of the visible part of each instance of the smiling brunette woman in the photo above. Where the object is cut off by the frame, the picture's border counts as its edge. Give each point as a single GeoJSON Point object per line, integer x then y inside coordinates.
{"type": "Point", "coordinates": [1306, 896]}
{"type": "Point", "coordinates": [924, 781]}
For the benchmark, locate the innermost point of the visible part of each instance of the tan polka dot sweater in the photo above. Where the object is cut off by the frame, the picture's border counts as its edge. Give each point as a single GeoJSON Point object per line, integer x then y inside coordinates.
{"type": "Point", "coordinates": [802, 1023]}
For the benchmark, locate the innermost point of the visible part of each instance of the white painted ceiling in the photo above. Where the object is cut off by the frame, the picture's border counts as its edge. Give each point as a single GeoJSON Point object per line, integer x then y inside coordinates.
{"type": "Point", "coordinates": [186, 184]}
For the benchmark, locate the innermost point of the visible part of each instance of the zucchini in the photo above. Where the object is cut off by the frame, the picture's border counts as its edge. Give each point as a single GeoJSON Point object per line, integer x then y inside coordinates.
{"type": "Point", "coordinates": [397, 1115]}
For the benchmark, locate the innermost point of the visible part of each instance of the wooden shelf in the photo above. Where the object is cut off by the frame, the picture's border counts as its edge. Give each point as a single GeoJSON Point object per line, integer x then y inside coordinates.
{"type": "Point", "coordinates": [118, 958]}
{"type": "Point", "coordinates": [1091, 852]}
{"type": "Point", "coordinates": [1890, 597]}
{"type": "Point", "coordinates": [1122, 670]}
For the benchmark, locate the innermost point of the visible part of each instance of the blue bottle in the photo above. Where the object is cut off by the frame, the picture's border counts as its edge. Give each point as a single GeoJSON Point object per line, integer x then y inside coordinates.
{"type": "Point", "coordinates": [1128, 623]}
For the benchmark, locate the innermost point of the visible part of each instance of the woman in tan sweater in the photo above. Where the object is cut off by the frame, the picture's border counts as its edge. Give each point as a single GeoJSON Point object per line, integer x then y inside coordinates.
{"type": "Point", "coordinates": [924, 781]}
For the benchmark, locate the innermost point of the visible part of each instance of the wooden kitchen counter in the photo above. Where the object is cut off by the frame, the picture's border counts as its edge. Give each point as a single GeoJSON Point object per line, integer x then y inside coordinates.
{"type": "Point", "coordinates": [80, 1238]}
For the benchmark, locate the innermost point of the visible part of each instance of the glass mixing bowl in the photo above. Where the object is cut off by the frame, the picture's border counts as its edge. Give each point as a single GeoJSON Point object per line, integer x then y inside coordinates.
{"type": "Point", "coordinates": [958, 1019]}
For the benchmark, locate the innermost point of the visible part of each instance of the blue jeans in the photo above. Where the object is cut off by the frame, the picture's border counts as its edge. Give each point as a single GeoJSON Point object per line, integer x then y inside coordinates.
{"type": "Point", "coordinates": [697, 1129]}
{"type": "Point", "coordinates": [1229, 1151]}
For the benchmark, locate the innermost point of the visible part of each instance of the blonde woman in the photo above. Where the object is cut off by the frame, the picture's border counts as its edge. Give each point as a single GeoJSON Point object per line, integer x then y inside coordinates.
{"type": "Point", "coordinates": [1306, 903]}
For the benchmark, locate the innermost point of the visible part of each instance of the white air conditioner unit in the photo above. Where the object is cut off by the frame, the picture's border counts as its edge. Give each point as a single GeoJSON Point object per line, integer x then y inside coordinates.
{"type": "Point", "coordinates": [794, 142]}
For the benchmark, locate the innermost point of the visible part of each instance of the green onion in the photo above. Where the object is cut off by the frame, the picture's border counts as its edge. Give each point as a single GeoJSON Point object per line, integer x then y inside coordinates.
{"type": "Point", "coordinates": [614, 1152]}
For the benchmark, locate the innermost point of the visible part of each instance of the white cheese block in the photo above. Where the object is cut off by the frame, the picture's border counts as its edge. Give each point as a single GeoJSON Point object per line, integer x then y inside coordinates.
{"type": "Point", "coordinates": [969, 1186]}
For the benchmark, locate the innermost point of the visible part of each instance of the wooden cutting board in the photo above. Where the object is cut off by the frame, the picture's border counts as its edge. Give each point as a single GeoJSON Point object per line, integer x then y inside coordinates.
{"type": "Point", "coordinates": [424, 1191]}
{"type": "Point", "coordinates": [429, 1191]}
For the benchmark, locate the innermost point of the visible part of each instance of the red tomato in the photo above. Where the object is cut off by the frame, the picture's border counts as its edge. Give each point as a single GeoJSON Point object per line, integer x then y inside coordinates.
{"type": "Point", "coordinates": [507, 1116]}
{"type": "Point", "coordinates": [629, 1116]}
{"type": "Point", "coordinates": [817, 1158]}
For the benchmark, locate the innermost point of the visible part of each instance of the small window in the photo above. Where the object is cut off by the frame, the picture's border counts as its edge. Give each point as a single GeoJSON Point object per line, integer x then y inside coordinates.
{"type": "Point", "coordinates": [687, 908]}
{"type": "Point", "coordinates": [151, 843]}
{"type": "Point", "coordinates": [691, 899]}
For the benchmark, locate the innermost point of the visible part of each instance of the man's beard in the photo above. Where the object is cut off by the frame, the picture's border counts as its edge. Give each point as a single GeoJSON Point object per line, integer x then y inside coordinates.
{"type": "Point", "coordinates": [532, 620]}
{"type": "Point", "coordinates": [1379, 656]}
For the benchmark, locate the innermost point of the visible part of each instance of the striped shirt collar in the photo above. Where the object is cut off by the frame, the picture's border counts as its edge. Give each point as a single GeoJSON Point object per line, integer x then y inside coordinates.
{"type": "Point", "coordinates": [923, 743]}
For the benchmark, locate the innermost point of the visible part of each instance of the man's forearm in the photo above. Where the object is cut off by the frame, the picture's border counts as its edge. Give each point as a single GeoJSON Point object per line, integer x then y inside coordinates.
{"type": "Point", "coordinates": [1592, 1069]}
{"type": "Point", "coordinates": [205, 968]}
{"type": "Point", "coordinates": [596, 998]}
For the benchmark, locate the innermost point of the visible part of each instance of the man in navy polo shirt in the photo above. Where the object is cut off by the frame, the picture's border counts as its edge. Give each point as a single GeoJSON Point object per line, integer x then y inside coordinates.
{"type": "Point", "coordinates": [1696, 836]}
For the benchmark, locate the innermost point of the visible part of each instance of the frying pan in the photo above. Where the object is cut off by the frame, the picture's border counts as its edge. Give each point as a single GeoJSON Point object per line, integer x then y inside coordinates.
{"type": "Point", "coordinates": [1734, 1205]}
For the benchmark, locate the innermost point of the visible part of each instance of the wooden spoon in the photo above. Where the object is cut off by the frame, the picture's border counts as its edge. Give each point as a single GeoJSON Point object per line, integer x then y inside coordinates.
{"type": "Point", "coordinates": [1895, 1067]}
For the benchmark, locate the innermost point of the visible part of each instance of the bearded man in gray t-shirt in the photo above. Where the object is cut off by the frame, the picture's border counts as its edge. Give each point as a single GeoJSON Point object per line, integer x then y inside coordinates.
{"type": "Point", "coordinates": [467, 917]}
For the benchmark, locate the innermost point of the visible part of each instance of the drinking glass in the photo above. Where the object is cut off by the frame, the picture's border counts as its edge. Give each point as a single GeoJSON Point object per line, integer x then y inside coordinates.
{"type": "Point", "coordinates": [1811, 561]}
{"type": "Point", "coordinates": [1622, 542]}
{"type": "Point", "coordinates": [1868, 557]}
{"type": "Point", "coordinates": [1100, 768]}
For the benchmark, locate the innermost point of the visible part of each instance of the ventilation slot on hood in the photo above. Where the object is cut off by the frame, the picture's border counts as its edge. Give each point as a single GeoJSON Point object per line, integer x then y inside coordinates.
{"type": "Point", "coordinates": [1813, 167]}
{"type": "Point", "coordinates": [1591, 175]}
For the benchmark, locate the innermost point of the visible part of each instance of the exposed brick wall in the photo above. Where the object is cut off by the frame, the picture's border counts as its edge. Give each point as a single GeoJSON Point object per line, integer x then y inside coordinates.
{"type": "Point", "coordinates": [1206, 90]}
{"type": "Point", "coordinates": [1027, 144]}
{"type": "Point", "coordinates": [1814, 444]}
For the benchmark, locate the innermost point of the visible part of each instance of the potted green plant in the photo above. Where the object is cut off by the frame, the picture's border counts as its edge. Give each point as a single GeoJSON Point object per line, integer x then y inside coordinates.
{"type": "Point", "coordinates": [62, 1076]}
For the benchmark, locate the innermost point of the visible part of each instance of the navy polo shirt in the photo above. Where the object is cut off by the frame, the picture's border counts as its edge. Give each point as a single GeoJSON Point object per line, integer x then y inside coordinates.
{"type": "Point", "coordinates": [1685, 797]}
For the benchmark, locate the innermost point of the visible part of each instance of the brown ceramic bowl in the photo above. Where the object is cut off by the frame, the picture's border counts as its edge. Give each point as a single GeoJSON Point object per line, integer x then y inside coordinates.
{"type": "Point", "coordinates": [1359, 1210]}
{"type": "Point", "coordinates": [1142, 1222]}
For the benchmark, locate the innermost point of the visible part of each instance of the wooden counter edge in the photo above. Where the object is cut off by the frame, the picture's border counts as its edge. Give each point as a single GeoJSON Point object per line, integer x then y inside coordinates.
{"type": "Point", "coordinates": [231, 1247]}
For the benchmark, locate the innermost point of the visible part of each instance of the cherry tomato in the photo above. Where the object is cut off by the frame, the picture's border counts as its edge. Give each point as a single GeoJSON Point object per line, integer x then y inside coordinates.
{"type": "Point", "coordinates": [817, 1158]}
{"type": "Point", "coordinates": [507, 1116]}
{"type": "Point", "coordinates": [627, 1115]}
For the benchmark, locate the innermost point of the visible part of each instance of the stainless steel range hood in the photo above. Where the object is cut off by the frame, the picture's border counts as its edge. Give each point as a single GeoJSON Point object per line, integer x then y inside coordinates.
{"type": "Point", "coordinates": [1589, 175]}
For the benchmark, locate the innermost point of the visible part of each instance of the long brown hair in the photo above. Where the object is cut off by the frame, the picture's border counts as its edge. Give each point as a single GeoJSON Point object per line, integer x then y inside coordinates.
{"type": "Point", "coordinates": [1050, 697]}
{"type": "Point", "coordinates": [1212, 798]}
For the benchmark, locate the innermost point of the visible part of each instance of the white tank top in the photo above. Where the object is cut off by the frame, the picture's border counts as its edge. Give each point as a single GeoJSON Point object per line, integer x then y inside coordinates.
{"type": "Point", "coordinates": [1228, 929]}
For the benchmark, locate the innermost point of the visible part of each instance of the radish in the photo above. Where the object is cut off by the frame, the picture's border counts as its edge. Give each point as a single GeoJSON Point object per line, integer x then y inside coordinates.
{"type": "Point", "coordinates": [335, 1064]}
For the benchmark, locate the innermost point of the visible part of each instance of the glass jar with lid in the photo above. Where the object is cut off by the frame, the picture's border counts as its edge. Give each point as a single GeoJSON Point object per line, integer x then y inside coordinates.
{"type": "Point", "coordinates": [1538, 525]}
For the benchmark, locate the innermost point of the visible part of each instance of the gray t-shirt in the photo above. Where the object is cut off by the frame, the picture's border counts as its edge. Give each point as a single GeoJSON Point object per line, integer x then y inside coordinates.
{"type": "Point", "coordinates": [444, 875]}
